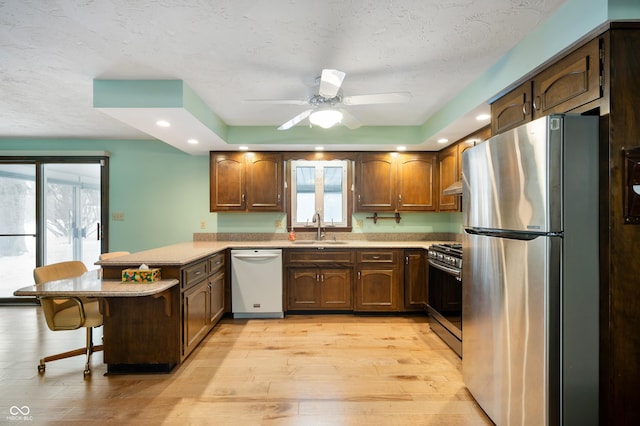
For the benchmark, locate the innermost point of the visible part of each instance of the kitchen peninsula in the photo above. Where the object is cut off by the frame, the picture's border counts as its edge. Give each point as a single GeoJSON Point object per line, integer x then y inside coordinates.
{"type": "Point", "coordinates": [203, 292]}
{"type": "Point", "coordinates": [137, 318]}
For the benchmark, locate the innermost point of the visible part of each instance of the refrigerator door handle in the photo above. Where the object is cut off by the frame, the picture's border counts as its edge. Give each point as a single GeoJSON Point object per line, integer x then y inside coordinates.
{"type": "Point", "coordinates": [513, 235]}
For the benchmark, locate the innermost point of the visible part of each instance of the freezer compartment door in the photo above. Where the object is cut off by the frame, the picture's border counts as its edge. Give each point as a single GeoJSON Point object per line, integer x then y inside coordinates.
{"type": "Point", "coordinates": [513, 181]}
{"type": "Point", "coordinates": [507, 286]}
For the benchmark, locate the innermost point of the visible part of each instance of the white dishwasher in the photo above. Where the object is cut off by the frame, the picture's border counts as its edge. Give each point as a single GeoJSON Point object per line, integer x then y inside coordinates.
{"type": "Point", "coordinates": [256, 283]}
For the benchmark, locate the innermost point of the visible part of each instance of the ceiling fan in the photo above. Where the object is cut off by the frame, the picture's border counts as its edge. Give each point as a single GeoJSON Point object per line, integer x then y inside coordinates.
{"type": "Point", "coordinates": [325, 108]}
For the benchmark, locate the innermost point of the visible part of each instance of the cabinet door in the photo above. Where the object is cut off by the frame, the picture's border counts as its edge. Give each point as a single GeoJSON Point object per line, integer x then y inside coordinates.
{"type": "Point", "coordinates": [471, 141]}
{"type": "Point", "coordinates": [226, 182]}
{"type": "Point", "coordinates": [303, 291]}
{"type": "Point", "coordinates": [376, 183]}
{"type": "Point", "coordinates": [512, 109]}
{"type": "Point", "coordinates": [335, 288]}
{"type": "Point", "coordinates": [448, 174]}
{"type": "Point", "coordinates": [569, 83]}
{"type": "Point", "coordinates": [415, 280]}
{"type": "Point", "coordinates": [377, 289]}
{"type": "Point", "coordinates": [216, 297]}
{"type": "Point", "coordinates": [416, 182]}
{"type": "Point", "coordinates": [264, 182]}
{"type": "Point", "coordinates": [196, 318]}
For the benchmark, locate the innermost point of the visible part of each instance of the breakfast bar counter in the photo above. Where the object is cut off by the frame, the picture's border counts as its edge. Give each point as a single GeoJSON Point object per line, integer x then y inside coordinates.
{"type": "Point", "coordinates": [141, 321]}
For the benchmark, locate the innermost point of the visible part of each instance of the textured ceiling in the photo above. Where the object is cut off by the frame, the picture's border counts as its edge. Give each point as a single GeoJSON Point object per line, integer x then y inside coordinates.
{"type": "Point", "coordinates": [229, 51]}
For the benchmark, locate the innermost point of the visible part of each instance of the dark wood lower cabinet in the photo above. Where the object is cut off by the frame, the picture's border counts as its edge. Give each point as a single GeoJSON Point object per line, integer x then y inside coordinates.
{"type": "Point", "coordinates": [415, 280]}
{"type": "Point", "coordinates": [216, 297]}
{"type": "Point", "coordinates": [142, 333]}
{"type": "Point", "coordinates": [379, 282]}
{"type": "Point", "coordinates": [196, 318]}
{"type": "Point", "coordinates": [316, 288]}
{"type": "Point", "coordinates": [360, 280]}
{"type": "Point", "coordinates": [156, 333]}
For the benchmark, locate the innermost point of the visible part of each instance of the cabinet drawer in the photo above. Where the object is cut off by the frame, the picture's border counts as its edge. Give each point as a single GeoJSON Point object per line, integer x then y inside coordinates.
{"type": "Point", "coordinates": [194, 273]}
{"type": "Point", "coordinates": [318, 256]}
{"type": "Point", "coordinates": [216, 262]}
{"type": "Point", "coordinates": [376, 256]}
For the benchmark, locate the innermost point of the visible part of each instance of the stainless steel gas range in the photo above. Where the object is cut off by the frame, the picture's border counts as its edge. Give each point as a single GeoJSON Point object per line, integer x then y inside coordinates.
{"type": "Point", "coordinates": [444, 302]}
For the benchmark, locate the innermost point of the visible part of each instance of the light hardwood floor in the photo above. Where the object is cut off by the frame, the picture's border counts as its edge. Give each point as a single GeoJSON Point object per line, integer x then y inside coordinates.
{"type": "Point", "coordinates": [301, 370]}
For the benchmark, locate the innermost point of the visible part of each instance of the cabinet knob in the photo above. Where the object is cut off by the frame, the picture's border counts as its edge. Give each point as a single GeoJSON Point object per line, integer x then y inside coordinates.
{"type": "Point", "coordinates": [525, 108]}
{"type": "Point", "coordinates": [359, 275]}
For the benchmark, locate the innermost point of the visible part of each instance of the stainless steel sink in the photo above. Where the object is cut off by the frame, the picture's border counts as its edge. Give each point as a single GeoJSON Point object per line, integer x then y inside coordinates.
{"type": "Point", "coordinates": [303, 242]}
{"type": "Point", "coordinates": [332, 242]}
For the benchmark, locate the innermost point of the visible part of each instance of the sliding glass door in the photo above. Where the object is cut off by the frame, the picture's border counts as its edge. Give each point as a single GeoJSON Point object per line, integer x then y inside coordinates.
{"type": "Point", "coordinates": [17, 226]}
{"type": "Point", "coordinates": [72, 213]}
{"type": "Point", "coordinates": [50, 211]}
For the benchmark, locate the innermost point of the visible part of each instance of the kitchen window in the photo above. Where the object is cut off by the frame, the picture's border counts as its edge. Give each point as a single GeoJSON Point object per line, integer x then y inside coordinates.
{"type": "Point", "coordinates": [319, 186]}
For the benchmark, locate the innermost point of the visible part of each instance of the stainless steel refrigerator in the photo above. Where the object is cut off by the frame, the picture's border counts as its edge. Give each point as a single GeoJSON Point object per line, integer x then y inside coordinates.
{"type": "Point", "coordinates": [530, 273]}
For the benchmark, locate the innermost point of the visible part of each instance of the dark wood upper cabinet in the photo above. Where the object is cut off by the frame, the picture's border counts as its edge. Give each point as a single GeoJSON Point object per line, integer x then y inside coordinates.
{"type": "Point", "coordinates": [448, 174]}
{"type": "Point", "coordinates": [416, 177]}
{"type": "Point", "coordinates": [227, 179]}
{"type": "Point", "coordinates": [395, 182]}
{"type": "Point", "coordinates": [246, 181]}
{"type": "Point", "coordinates": [264, 181]}
{"type": "Point", "coordinates": [512, 109]}
{"type": "Point", "coordinates": [376, 175]}
{"type": "Point", "coordinates": [569, 83]}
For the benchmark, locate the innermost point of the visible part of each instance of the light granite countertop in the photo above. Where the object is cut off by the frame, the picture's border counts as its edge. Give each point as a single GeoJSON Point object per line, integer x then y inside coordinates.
{"type": "Point", "coordinates": [91, 284]}
{"type": "Point", "coordinates": [187, 252]}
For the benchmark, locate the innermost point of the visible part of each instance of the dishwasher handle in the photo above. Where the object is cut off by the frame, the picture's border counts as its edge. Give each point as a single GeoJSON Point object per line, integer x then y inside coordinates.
{"type": "Point", "coordinates": [257, 256]}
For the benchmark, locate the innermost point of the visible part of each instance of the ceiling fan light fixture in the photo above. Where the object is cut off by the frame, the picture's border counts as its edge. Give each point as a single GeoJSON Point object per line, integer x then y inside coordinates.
{"type": "Point", "coordinates": [325, 118]}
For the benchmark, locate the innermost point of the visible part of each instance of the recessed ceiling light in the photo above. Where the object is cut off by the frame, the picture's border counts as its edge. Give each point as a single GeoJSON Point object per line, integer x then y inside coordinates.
{"type": "Point", "coordinates": [401, 148]}
{"type": "Point", "coordinates": [443, 140]}
{"type": "Point", "coordinates": [243, 148]}
{"type": "Point", "coordinates": [193, 141]}
{"type": "Point", "coordinates": [163, 123]}
{"type": "Point", "coordinates": [483, 117]}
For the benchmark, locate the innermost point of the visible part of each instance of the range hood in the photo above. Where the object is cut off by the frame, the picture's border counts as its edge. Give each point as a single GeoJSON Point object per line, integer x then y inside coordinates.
{"type": "Point", "coordinates": [453, 189]}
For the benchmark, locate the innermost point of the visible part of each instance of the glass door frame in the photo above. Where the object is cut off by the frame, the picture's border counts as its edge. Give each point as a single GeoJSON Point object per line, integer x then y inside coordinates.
{"type": "Point", "coordinates": [41, 228]}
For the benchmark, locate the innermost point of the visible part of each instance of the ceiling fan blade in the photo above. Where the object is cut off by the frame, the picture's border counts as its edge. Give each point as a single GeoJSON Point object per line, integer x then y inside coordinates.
{"type": "Point", "coordinates": [278, 101]}
{"type": "Point", "coordinates": [378, 98]}
{"type": "Point", "coordinates": [348, 120]}
{"type": "Point", "coordinates": [295, 120]}
{"type": "Point", "coordinates": [330, 82]}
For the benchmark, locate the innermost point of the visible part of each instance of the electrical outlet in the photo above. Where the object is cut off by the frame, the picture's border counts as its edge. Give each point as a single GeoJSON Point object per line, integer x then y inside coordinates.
{"type": "Point", "coordinates": [117, 216]}
{"type": "Point", "coordinates": [279, 224]}
{"type": "Point", "coordinates": [359, 223]}
{"type": "Point", "coordinates": [203, 224]}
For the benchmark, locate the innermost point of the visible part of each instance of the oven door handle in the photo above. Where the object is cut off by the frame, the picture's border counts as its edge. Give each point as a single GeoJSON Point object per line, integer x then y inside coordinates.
{"type": "Point", "coordinates": [449, 270]}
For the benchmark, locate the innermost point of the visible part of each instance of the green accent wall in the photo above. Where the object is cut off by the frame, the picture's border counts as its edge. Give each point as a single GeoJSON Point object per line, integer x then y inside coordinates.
{"type": "Point", "coordinates": [164, 195]}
